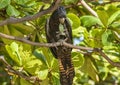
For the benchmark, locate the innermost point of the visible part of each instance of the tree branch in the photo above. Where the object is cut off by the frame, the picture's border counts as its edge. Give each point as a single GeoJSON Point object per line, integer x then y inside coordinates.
{"type": "Point", "coordinates": [12, 20]}
{"type": "Point", "coordinates": [88, 8]}
{"type": "Point", "coordinates": [60, 44]}
{"type": "Point", "coordinates": [77, 47]}
{"type": "Point", "coordinates": [11, 70]}
{"type": "Point", "coordinates": [116, 64]}
{"type": "Point", "coordinates": [43, 44]}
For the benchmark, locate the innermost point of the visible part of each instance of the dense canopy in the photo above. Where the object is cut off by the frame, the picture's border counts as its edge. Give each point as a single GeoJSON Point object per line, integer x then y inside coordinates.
{"type": "Point", "coordinates": [25, 57]}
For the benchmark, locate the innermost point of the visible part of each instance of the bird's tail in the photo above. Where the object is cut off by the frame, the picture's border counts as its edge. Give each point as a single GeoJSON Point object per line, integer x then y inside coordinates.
{"type": "Point", "coordinates": [66, 70]}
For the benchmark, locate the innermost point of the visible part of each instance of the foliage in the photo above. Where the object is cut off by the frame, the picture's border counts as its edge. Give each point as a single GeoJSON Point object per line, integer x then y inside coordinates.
{"type": "Point", "coordinates": [88, 31]}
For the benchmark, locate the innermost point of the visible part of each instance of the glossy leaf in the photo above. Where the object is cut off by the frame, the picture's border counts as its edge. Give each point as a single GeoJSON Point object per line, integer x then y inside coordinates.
{"type": "Point", "coordinates": [24, 82]}
{"type": "Point", "coordinates": [43, 74]}
{"type": "Point", "coordinates": [89, 21]}
{"type": "Point", "coordinates": [12, 11]}
{"type": "Point", "coordinates": [69, 1]}
{"type": "Point", "coordinates": [21, 1]}
{"type": "Point", "coordinates": [116, 35]}
{"type": "Point", "coordinates": [4, 3]}
{"type": "Point", "coordinates": [78, 59]}
{"type": "Point", "coordinates": [14, 52]}
{"type": "Point", "coordinates": [75, 20]}
{"type": "Point", "coordinates": [32, 66]}
{"type": "Point", "coordinates": [55, 78]}
{"type": "Point", "coordinates": [113, 17]}
{"type": "Point", "coordinates": [6, 30]}
{"type": "Point", "coordinates": [24, 29]}
{"type": "Point", "coordinates": [105, 36]}
{"type": "Point", "coordinates": [40, 56]}
{"type": "Point", "coordinates": [97, 40]}
{"type": "Point", "coordinates": [103, 17]}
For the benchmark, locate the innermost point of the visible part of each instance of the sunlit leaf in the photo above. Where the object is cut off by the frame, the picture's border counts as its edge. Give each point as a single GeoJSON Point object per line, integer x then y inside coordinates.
{"type": "Point", "coordinates": [14, 31]}
{"type": "Point", "coordinates": [103, 17]}
{"type": "Point", "coordinates": [24, 29]}
{"type": "Point", "coordinates": [105, 37]}
{"type": "Point", "coordinates": [40, 56]}
{"type": "Point", "coordinates": [78, 59]}
{"type": "Point", "coordinates": [33, 66]}
{"type": "Point", "coordinates": [113, 17]}
{"type": "Point", "coordinates": [69, 1]}
{"type": "Point", "coordinates": [14, 52]}
{"type": "Point", "coordinates": [21, 1]}
{"type": "Point", "coordinates": [75, 20]}
{"type": "Point", "coordinates": [43, 74]}
{"type": "Point", "coordinates": [24, 82]}
{"type": "Point", "coordinates": [6, 30]}
{"type": "Point", "coordinates": [97, 39]}
{"type": "Point", "coordinates": [55, 78]}
{"type": "Point", "coordinates": [4, 3]}
{"type": "Point", "coordinates": [12, 11]}
{"type": "Point", "coordinates": [89, 21]}
{"type": "Point", "coordinates": [111, 9]}
{"type": "Point", "coordinates": [116, 35]}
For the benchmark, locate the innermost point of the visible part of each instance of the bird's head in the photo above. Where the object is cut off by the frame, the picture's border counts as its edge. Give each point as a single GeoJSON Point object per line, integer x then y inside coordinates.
{"type": "Point", "coordinates": [60, 13]}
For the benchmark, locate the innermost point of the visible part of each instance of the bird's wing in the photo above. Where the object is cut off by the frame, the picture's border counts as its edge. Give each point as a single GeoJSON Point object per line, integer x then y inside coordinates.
{"type": "Point", "coordinates": [50, 38]}
{"type": "Point", "coordinates": [69, 29]}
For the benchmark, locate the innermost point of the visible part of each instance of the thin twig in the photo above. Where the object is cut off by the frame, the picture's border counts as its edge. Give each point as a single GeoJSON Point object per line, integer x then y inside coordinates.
{"type": "Point", "coordinates": [116, 64]}
{"type": "Point", "coordinates": [13, 20]}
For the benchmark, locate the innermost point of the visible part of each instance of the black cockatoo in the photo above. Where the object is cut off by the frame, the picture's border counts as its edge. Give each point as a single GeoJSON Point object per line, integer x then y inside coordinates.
{"type": "Point", "coordinates": [57, 29]}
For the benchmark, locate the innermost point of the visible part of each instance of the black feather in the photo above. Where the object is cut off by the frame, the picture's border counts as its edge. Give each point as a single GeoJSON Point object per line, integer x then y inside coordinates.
{"type": "Point", "coordinates": [63, 54]}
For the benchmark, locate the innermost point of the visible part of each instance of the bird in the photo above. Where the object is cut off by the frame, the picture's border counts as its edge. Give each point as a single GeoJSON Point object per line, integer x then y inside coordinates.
{"type": "Point", "coordinates": [57, 29]}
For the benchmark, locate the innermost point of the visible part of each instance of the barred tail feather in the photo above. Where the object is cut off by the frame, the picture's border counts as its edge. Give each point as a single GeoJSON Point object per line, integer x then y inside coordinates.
{"type": "Point", "coordinates": [66, 70]}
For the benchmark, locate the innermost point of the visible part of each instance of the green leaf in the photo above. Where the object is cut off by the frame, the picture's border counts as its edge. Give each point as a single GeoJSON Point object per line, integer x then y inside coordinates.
{"type": "Point", "coordinates": [21, 1]}
{"type": "Point", "coordinates": [45, 82]}
{"type": "Point", "coordinates": [14, 53]}
{"type": "Point", "coordinates": [88, 67]}
{"type": "Point", "coordinates": [43, 74]}
{"type": "Point", "coordinates": [4, 3]}
{"type": "Point", "coordinates": [24, 82]}
{"type": "Point", "coordinates": [96, 38]}
{"type": "Point", "coordinates": [105, 37]}
{"type": "Point", "coordinates": [89, 21]}
{"type": "Point", "coordinates": [12, 11]}
{"type": "Point", "coordinates": [76, 32]}
{"type": "Point", "coordinates": [14, 31]}
{"type": "Point", "coordinates": [70, 1]}
{"type": "Point", "coordinates": [113, 17]}
{"type": "Point", "coordinates": [115, 27]}
{"type": "Point", "coordinates": [75, 20]}
{"type": "Point", "coordinates": [33, 66]}
{"type": "Point", "coordinates": [112, 9]}
{"type": "Point", "coordinates": [40, 56]}
{"type": "Point", "coordinates": [55, 78]}
{"type": "Point", "coordinates": [116, 35]}
{"type": "Point", "coordinates": [61, 28]}
{"type": "Point", "coordinates": [5, 29]}
{"type": "Point", "coordinates": [78, 59]}
{"type": "Point", "coordinates": [103, 17]}
{"type": "Point", "coordinates": [24, 29]}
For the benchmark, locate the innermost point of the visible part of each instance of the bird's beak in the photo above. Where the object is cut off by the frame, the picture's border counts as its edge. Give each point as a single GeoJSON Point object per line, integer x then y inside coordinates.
{"type": "Point", "coordinates": [62, 20]}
